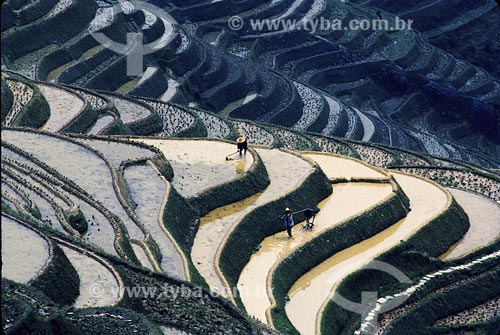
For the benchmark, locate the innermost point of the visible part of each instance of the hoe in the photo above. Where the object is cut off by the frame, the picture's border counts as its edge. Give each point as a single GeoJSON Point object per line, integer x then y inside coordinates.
{"type": "Point", "coordinates": [229, 159]}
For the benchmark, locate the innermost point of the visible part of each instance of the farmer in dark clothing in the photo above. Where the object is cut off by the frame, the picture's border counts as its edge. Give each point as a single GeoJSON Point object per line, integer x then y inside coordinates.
{"type": "Point", "coordinates": [310, 213]}
{"type": "Point", "coordinates": [242, 144]}
{"type": "Point", "coordinates": [288, 220]}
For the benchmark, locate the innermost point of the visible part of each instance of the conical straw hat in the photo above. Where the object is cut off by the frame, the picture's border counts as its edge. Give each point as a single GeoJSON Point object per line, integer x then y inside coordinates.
{"type": "Point", "coordinates": [241, 139]}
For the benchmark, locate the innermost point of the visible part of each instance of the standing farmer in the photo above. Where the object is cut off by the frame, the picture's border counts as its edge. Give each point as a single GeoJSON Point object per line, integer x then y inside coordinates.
{"type": "Point", "coordinates": [288, 220]}
{"type": "Point", "coordinates": [242, 145]}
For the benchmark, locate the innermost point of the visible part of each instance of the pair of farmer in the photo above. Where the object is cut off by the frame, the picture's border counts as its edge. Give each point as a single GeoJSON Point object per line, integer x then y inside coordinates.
{"type": "Point", "coordinates": [309, 213]}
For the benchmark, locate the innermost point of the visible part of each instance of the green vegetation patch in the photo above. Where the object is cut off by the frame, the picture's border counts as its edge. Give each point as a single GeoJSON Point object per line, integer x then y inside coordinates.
{"type": "Point", "coordinates": [35, 113]}
{"type": "Point", "coordinates": [7, 99]}
{"type": "Point", "coordinates": [179, 304]}
{"type": "Point", "coordinates": [77, 220]}
{"type": "Point", "coordinates": [59, 280]}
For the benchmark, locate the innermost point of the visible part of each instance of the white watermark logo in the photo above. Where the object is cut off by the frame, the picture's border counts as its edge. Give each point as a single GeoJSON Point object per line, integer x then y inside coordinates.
{"type": "Point", "coordinates": [135, 49]}
{"type": "Point", "coordinates": [367, 308]}
{"type": "Point", "coordinates": [319, 24]}
{"type": "Point", "coordinates": [235, 23]}
{"type": "Point", "coordinates": [173, 292]}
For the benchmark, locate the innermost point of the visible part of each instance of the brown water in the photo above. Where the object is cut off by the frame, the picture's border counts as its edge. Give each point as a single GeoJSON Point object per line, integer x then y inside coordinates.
{"type": "Point", "coordinates": [317, 286]}
{"type": "Point", "coordinates": [347, 200]}
{"type": "Point", "coordinates": [484, 218]}
{"type": "Point", "coordinates": [216, 225]}
{"type": "Point", "coordinates": [199, 165]}
{"type": "Point", "coordinates": [337, 167]}
{"type": "Point", "coordinates": [24, 252]}
{"type": "Point", "coordinates": [213, 228]}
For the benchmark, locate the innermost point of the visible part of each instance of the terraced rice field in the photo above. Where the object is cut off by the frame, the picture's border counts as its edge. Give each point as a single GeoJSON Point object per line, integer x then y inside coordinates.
{"type": "Point", "coordinates": [45, 207]}
{"type": "Point", "coordinates": [98, 285]}
{"type": "Point", "coordinates": [199, 165]}
{"type": "Point", "coordinates": [216, 127]}
{"type": "Point", "coordinates": [118, 152]}
{"type": "Point", "coordinates": [64, 107]}
{"type": "Point", "coordinates": [99, 232]}
{"type": "Point", "coordinates": [334, 112]}
{"type": "Point", "coordinates": [368, 126]}
{"type": "Point", "coordinates": [172, 331]}
{"type": "Point", "coordinates": [313, 106]}
{"type": "Point", "coordinates": [338, 207]}
{"type": "Point", "coordinates": [95, 101]}
{"type": "Point", "coordinates": [129, 111]}
{"type": "Point", "coordinates": [79, 164]}
{"type": "Point", "coordinates": [175, 120]}
{"type": "Point", "coordinates": [143, 258]}
{"type": "Point", "coordinates": [101, 124]}
{"type": "Point", "coordinates": [388, 317]}
{"type": "Point", "coordinates": [24, 252]}
{"type": "Point", "coordinates": [253, 133]}
{"type": "Point", "coordinates": [170, 92]}
{"type": "Point", "coordinates": [374, 156]}
{"type": "Point", "coordinates": [338, 167]}
{"type": "Point", "coordinates": [489, 311]}
{"type": "Point", "coordinates": [417, 94]}
{"type": "Point", "coordinates": [215, 226]}
{"type": "Point", "coordinates": [484, 218]}
{"type": "Point", "coordinates": [292, 141]}
{"type": "Point", "coordinates": [22, 95]}
{"type": "Point", "coordinates": [53, 76]}
{"type": "Point", "coordinates": [318, 286]}
{"type": "Point", "coordinates": [150, 192]}
{"type": "Point", "coordinates": [12, 192]}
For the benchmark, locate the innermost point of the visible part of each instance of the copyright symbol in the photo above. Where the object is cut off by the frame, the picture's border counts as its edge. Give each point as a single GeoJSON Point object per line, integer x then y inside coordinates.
{"type": "Point", "coordinates": [235, 23]}
{"type": "Point", "coordinates": [96, 290]}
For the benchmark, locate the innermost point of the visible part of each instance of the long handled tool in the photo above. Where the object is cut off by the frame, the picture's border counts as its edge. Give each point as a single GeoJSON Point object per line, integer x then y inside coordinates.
{"type": "Point", "coordinates": [227, 157]}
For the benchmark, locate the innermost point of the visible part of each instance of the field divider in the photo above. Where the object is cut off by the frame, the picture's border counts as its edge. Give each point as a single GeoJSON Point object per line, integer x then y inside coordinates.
{"type": "Point", "coordinates": [165, 230]}
{"type": "Point", "coordinates": [149, 254]}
